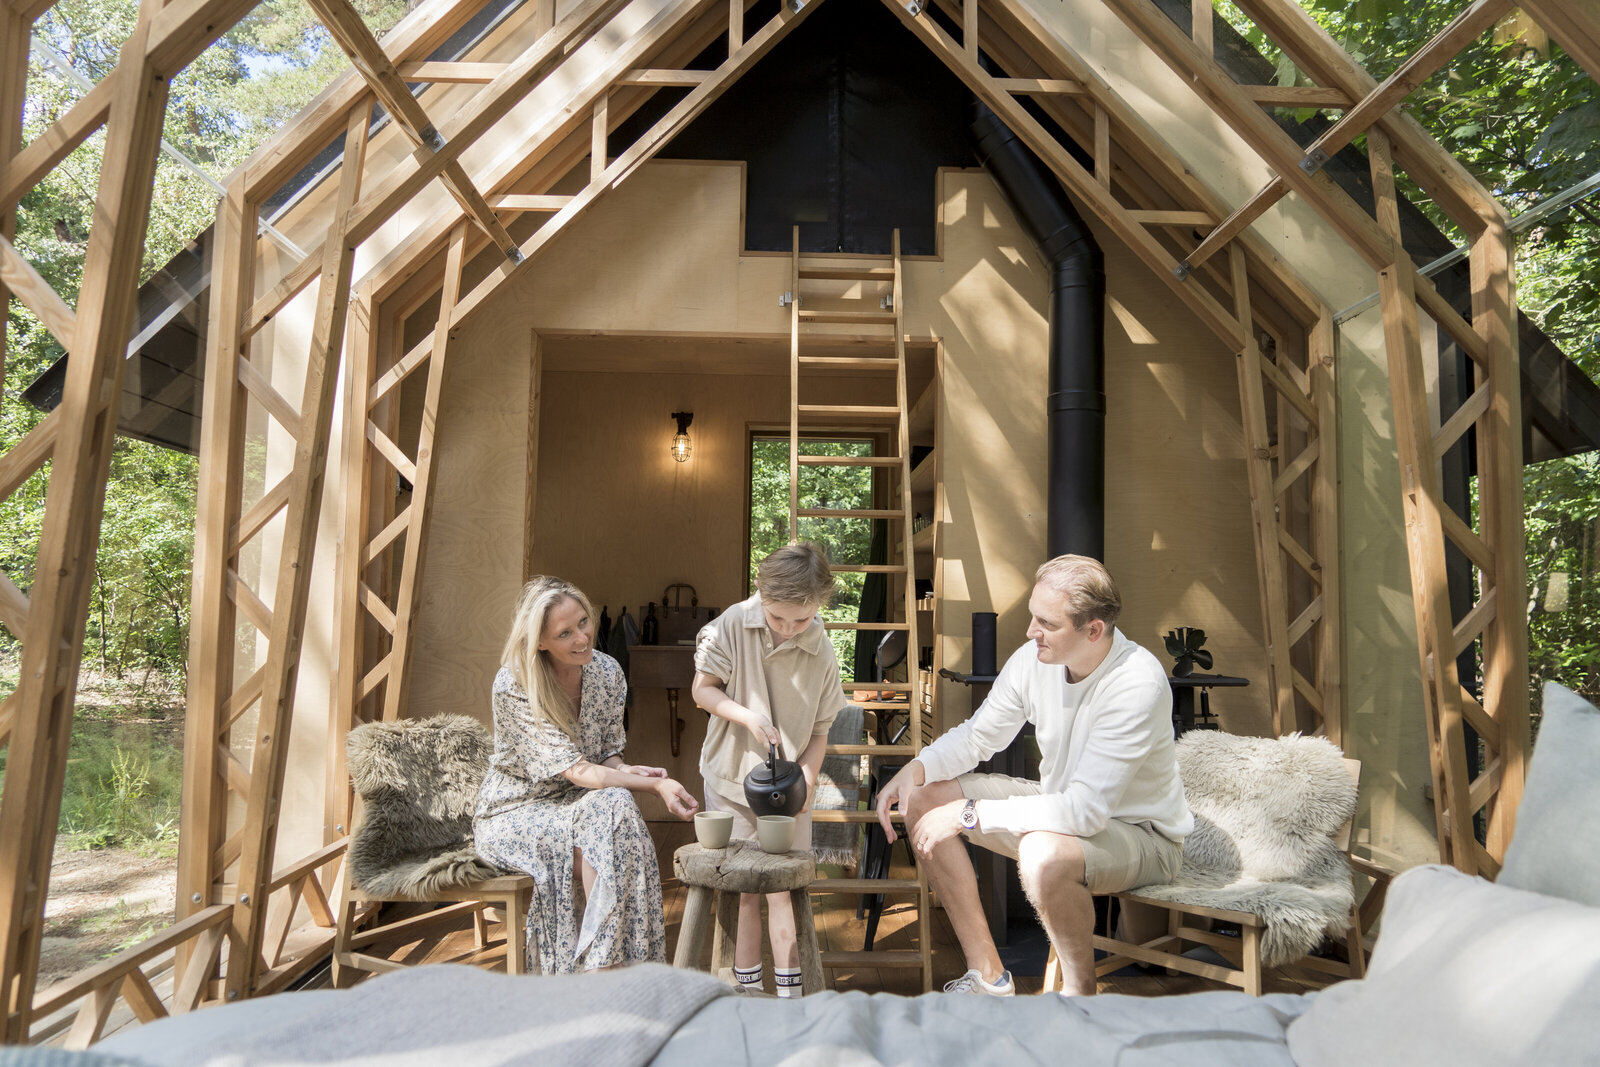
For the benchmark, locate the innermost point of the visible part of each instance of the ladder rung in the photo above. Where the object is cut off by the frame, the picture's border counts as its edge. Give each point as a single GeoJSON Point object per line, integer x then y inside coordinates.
{"type": "Point", "coordinates": [871, 886]}
{"type": "Point", "coordinates": [882, 705]}
{"type": "Point", "coordinates": [866, 626]}
{"type": "Point", "coordinates": [872, 750]}
{"type": "Point", "coordinates": [868, 568]}
{"type": "Point", "coordinates": [850, 513]}
{"type": "Point", "coordinates": [888, 363]}
{"type": "Point", "coordinates": [860, 318]}
{"type": "Point", "coordinates": [849, 461]}
{"type": "Point", "coordinates": [849, 274]}
{"type": "Point", "coordinates": [834, 815]}
{"type": "Point", "coordinates": [889, 958]}
{"type": "Point", "coordinates": [849, 411]}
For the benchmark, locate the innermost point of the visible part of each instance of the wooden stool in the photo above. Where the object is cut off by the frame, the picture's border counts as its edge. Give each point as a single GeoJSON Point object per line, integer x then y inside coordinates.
{"type": "Point", "coordinates": [719, 875]}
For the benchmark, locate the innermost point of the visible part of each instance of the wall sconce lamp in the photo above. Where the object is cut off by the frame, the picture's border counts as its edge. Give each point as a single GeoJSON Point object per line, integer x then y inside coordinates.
{"type": "Point", "coordinates": [681, 447]}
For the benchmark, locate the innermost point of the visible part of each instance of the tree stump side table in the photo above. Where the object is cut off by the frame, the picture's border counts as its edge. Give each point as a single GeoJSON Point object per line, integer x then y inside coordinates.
{"type": "Point", "coordinates": [716, 877]}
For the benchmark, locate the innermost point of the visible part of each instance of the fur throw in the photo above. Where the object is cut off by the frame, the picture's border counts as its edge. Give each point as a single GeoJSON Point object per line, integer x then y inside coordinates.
{"type": "Point", "coordinates": [418, 780]}
{"type": "Point", "coordinates": [1265, 812]}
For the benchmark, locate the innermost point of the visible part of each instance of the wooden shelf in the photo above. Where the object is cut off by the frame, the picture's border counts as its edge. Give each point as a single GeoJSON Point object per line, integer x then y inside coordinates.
{"type": "Point", "coordinates": [924, 479]}
{"type": "Point", "coordinates": [921, 420]}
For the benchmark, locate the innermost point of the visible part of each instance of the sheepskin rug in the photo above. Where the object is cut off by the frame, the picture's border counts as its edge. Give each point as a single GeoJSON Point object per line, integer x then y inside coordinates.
{"type": "Point", "coordinates": [1265, 812]}
{"type": "Point", "coordinates": [418, 781]}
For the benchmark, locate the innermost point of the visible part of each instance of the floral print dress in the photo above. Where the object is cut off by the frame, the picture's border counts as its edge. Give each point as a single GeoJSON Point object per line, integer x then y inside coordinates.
{"type": "Point", "coordinates": [530, 818]}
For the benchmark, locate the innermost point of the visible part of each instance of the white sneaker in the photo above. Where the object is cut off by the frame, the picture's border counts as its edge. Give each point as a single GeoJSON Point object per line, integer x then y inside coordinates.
{"type": "Point", "coordinates": [972, 982]}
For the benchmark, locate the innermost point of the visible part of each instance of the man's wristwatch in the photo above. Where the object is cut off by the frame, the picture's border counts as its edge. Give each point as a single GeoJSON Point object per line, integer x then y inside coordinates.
{"type": "Point", "coordinates": [969, 815]}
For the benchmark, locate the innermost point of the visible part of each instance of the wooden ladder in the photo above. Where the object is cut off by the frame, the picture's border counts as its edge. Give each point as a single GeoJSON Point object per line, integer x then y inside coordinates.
{"type": "Point", "coordinates": [819, 278]}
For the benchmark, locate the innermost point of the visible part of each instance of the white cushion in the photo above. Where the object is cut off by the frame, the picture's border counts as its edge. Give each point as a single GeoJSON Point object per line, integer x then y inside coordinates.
{"type": "Point", "coordinates": [1556, 846]}
{"type": "Point", "coordinates": [1466, 972]}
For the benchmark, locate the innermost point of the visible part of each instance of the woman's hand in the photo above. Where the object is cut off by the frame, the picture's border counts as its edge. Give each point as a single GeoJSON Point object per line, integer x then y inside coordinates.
{"type": "Point", "coordinates": [678, 800]}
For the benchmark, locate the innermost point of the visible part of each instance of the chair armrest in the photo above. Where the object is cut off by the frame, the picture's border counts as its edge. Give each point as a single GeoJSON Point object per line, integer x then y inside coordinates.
{"type": "Point", "coordinates": [1368, 910]}
{"type": "Point", "coordinates": [1371, 868]}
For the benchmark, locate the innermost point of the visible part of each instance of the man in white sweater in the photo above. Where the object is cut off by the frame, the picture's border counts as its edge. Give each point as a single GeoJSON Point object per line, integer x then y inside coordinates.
{"type": "Point", "coordinates": [1108, 812]}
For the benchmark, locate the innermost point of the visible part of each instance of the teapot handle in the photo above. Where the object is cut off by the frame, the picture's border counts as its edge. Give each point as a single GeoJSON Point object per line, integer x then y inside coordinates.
{"type": "Point", "coordinates": [772, 759]}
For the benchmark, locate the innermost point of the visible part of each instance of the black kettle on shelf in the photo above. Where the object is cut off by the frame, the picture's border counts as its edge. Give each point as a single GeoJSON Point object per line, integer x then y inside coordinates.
{"type": "Point", "coordinates": [776, 787]}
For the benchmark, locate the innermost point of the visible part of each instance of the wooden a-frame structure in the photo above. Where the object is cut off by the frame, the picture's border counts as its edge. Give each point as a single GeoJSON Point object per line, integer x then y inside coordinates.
{"type": "Point", "coordinates": [1199, 246]}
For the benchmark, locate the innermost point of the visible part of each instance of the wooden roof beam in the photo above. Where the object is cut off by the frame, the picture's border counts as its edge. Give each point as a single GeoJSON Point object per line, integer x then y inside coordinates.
{"type": "Point", "coordinates": [487, 107]}
{"type": "Point", "coordinates": [642, 150]}
{"type": "Point", "coordinates": [1417, 69]}
{"type": "Point", "coordinates": [1297, 96]}
{"type": "Point", "coordinates": [423, 29]}
{"type": "Point", "coordinates": [682, 78]}
{"type": "Point", "coordinates": [409, 175]}
{"type": "Point", "coordinates": [369, 58]}
{"type": "Point", "coordinates": [1016, 36]}
{"type": "Point", "coordinates": [1439, 173]}
{"type": "Point", "coordinates": [25, 283]}
{"type": "Point", "coordinates": [1098, 197]}
{"type": "Point", "coordinates": [1234, 224]}
{"type": "Point", "coordinates": [554, 148]}
{"type": "Point", "coordinates": [453, 73]}
{"type": "Point", "coordinates": [41, 155]}
{"type": "Point", "coordinates": [1275, 147]}
{"type": "Point", "coordinates": [1575, 24]}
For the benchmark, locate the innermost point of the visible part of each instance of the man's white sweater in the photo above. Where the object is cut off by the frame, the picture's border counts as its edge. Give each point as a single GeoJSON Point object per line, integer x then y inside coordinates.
{"type": "Point", "coordinates": [1105, 744]}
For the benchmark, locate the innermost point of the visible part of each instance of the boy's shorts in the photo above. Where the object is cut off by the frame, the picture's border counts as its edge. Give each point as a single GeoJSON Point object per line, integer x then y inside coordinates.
{"type": "Point", "coordinates": [1124, 855]}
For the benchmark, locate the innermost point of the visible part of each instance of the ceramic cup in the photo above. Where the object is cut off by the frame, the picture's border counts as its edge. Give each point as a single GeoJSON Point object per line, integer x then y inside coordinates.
{"type": "Point", "coordinates": [713, 828]}
{"type": "Point", "coordinates": [775, 832]}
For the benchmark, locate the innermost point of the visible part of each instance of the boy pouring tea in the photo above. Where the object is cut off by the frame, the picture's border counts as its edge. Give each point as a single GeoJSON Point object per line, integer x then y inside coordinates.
{"type": "Point", "coordinates": [767, 673]}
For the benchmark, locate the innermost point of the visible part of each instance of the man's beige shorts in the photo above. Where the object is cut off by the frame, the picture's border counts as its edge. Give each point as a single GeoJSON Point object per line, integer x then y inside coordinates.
{"type": "Point", "coordinates": [1125, 855]}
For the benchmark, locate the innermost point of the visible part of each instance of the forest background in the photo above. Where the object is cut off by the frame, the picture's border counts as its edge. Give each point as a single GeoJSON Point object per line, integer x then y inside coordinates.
{"type": "Point", "coordinates": [1514, 108]}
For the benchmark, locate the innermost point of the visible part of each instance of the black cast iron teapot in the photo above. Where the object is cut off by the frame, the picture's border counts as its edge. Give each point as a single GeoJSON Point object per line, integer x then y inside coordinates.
{"type": "Point", "coordinates": [775, 787]}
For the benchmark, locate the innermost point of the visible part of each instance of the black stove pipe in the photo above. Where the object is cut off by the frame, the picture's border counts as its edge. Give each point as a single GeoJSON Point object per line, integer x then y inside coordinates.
{"type": "Point", "coordinates": [1076, 485]}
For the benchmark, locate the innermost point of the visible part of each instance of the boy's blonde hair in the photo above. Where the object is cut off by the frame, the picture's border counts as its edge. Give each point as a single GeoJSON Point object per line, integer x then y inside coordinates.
{"type": "Point", "coordinates": [1087, 585]}
{"type": "Point", "coordinates": [795, 574]}
{"type": "Point", "coordinates": [532, 668]}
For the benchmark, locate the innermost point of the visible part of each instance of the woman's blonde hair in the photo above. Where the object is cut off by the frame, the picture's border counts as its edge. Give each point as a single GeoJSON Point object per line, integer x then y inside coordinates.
{"type": "Point", "coordinates": [795, 574]}
{"type": "Point", "coordinates": [532, 668]}
{"type": "Point", "coordinates": [1087, 585]}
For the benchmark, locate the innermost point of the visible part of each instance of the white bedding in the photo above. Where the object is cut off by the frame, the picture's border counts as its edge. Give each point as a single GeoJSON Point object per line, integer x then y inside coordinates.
{"type": "Point", "coordinates": [858, 1029]}
{"type": "Point", "coordinates": [462, 1017]}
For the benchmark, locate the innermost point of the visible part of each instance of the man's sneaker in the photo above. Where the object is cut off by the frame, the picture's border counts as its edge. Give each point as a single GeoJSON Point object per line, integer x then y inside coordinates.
{"type": "Point", "coordinates": [972, 982]}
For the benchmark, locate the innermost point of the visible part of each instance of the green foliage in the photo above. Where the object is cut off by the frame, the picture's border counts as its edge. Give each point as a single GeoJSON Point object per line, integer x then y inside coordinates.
{"type": "Point", "coordinates": [124, 781]}
{"type": "Point", "coordinates": [844, 540]}
{"type": "Point", "coordinates": [1563, 514]}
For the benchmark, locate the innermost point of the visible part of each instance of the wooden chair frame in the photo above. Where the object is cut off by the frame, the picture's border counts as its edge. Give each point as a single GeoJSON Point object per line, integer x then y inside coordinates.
{"type": "Point", "coordinates": [1245, 969]}
{"type": "Point", "coordinates": [1137, 188]}
{"type": "Point", "coordinates": [510, 893]}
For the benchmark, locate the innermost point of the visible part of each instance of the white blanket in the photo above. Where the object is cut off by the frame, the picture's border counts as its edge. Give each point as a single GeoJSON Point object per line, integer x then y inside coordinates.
{"type": "Point", "coordinates": [463, 1017]}
{"type": "Point", "coordinates": [961, 1030]}
{"type": "Point", "coordinates": [438, 1015]}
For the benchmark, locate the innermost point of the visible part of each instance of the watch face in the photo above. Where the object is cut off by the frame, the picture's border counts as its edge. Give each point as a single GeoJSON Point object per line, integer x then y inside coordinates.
{"type": "Point", "coordinates": [969, 816]}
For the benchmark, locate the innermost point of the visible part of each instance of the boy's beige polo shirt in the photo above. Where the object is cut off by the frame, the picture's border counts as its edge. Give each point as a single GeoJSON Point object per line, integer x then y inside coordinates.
{"type": "Point", "coordinates": [796, 686]}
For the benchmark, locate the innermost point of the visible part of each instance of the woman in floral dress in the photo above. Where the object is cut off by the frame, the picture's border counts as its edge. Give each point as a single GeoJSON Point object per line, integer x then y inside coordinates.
{"type": "Point", "coordinates": [557, 799]}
